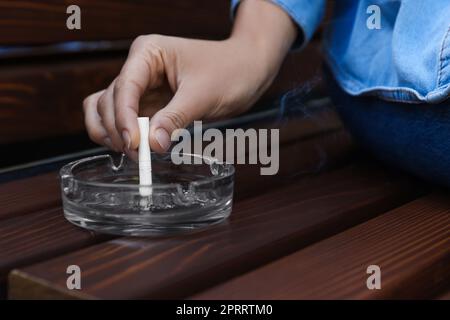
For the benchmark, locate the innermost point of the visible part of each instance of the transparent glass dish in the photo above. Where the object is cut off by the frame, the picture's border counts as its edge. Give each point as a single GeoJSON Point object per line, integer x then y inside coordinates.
{"type": "Point", "coordinates": [101, 193]}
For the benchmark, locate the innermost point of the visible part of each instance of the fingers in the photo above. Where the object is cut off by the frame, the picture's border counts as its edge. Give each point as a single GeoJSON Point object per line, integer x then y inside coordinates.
{"type": "Point", "coordinates": [100, 119]}
{"type": "Point", "coordinates": [185, 107]}
{"type": "Point", "coordinates": [142, 70]}
{"type": "Point", "coordinates": [111, 116]}
{"type": "Point", "coordinates": [93, 122]}
{"type": "Point", "coordinates": [105, 109]}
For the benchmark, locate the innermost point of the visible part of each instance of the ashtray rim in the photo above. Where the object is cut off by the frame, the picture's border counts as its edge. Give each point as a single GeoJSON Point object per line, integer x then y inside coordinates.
{"type": "Point", "coordinates": [66, 172]}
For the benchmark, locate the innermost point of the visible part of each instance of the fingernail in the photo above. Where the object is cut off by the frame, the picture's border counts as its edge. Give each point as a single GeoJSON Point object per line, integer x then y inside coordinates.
{"type": "Point", "coordinates": [133, 155]}
{"type": "Point", "coordinates": [126, 139]}
{"type": "Point", "coordinates": [163, 138]}
{"type": "Point", "coordinates": [107, 142]}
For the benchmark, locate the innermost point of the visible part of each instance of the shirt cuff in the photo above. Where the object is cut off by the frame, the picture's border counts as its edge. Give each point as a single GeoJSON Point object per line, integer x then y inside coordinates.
{"type": "Point", "coordinates": [307, 14]}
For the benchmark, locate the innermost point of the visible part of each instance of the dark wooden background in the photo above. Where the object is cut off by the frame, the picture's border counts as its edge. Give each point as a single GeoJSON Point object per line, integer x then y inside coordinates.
{"type": "Point", "coordinates": [44, 21]}
{"type": "Point", "coordinates": [43, 83]}
{"type": "Point", "coordinates": [289, 237]}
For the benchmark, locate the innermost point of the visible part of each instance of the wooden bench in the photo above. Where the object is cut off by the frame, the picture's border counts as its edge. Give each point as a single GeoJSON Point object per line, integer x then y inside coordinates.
{"type": "Point", "coordinates": [42, 86]}
{"type": "Point", "coordinates": [287, 214]}
{"type": "Point", "coordinates": [32, 206]}
{"type": "Point", "coordinates": [309, 232]}
{"type": "Point", "coordinates": [314, 231]}
{"type": "Point", "coordinates": [410, 244]}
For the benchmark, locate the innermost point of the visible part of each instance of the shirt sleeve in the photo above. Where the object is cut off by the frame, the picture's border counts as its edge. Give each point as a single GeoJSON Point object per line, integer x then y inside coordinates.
{"type": "Point", "coordinates": [307, 14]}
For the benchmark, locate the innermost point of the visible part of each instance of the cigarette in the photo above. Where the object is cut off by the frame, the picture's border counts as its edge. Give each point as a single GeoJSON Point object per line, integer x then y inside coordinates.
{"type": "Point", "coordinates": [145, 163]}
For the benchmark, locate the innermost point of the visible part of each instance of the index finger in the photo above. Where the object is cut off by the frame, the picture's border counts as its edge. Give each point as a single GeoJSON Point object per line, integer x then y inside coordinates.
{"type": "Point", "coordinates": [130, 85]}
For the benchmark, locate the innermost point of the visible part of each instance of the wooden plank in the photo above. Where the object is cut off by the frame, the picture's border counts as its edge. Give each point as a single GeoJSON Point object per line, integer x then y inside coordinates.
{"type": "Point", "coordinates": [261, 229]}
{"type": "Point", "coordinates": [44, 21]}
{"type": "Point", "coordinates": [38, 236]}
{"type": "Point", "coordinates": [38, 101]}
{"type": "Point", "coordinates": [410, 244]}
{"type": "Point", "coordinates": [27, 195]}
{"type": "Point", "coordinates": [310, 141]}
{"type": "Point", "coordinates": [44, 99]}
{"type": "Point", "coordinates": [42, 245]}
{"type": "Point", "coordinates": [297, 160]}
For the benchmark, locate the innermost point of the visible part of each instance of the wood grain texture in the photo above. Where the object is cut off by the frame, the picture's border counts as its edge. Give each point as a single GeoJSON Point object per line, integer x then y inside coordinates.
{"type": "Point", "coordinates": [310, 142]}
{"type": "Point", "coordinates": [44, 21]}
{"type": "Point", "coordinates": [29, 195]}
{"type": "Point", "coordinates": [38, 101]}
{"type": "Point", "coordinates": [39, 236]}
{"type": "Point", "coordinates": [296, 160]}
{"type": "Point", "coordinates": [22, 196]}
{"type": "Point", "coordinates": [260, 229]}
{"type": "Point", "coordinates": [44, 99]}
{"type": "Point", "coordinates": [411, 245]}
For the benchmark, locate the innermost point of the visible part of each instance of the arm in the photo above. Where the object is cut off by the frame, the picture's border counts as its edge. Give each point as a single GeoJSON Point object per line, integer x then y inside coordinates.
{"type": "Point", "coordinates": [190, 79]}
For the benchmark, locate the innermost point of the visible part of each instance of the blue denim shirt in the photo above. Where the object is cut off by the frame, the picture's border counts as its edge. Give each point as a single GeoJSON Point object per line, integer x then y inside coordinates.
{"type": "Point", "coordinates": [406, 59]}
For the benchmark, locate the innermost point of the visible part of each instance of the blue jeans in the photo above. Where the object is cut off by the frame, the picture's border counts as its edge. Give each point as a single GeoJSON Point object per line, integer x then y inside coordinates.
{"type": "Point", "coordinates": [411, 137]}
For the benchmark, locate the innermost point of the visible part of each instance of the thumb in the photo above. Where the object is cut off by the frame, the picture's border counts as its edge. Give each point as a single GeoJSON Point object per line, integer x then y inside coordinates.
{"type": "Point", "coordinates": [182, 110]}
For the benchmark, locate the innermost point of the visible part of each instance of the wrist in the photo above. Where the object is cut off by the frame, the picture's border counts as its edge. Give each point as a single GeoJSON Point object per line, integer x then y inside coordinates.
{"type": "Point", "coordinates": [263, 31]}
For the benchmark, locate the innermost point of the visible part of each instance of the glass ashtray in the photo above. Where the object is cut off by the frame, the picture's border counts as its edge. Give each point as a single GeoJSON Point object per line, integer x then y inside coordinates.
{"type": "Point", "coordinates": [101, 193]}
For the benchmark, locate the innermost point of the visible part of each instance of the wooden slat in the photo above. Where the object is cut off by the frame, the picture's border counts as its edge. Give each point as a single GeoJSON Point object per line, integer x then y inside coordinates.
{"type": "Point", "coordinates": [297, 160]}
{"type": "Point", "coordinates": [44, 21]}
{"type": "Point", "coordinates": [38, 101]}
{"type": "Point", "coordinates": [27, 22]}
{"type": "Point", "coordinates": [260, 229]}
{"type": "Point", "coordinates": [45, 99]}
{"type": "Point", "coordinates": [27, 195]}
{"type": "Point", "coordinates": [38, 236]}
{"type": "Point", "coordinates": [410, 244]}
{"type": "Point", "coordinates": [308, 144]}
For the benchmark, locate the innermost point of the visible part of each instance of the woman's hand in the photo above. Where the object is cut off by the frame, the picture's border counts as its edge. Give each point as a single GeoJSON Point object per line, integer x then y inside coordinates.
{"type": "Point", "coordinates": [188, 80]}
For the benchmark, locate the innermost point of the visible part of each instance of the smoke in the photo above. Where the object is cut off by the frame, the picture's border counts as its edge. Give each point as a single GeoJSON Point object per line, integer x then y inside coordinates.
{"type": "Point", "coordinates": [304, 101]}
{"type": "Point", "coordinates": [293, 102]}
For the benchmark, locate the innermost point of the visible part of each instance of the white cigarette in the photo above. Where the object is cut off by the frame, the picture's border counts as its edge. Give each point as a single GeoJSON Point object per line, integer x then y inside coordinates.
{"type": "Point", "coordinates": [145, 163]}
